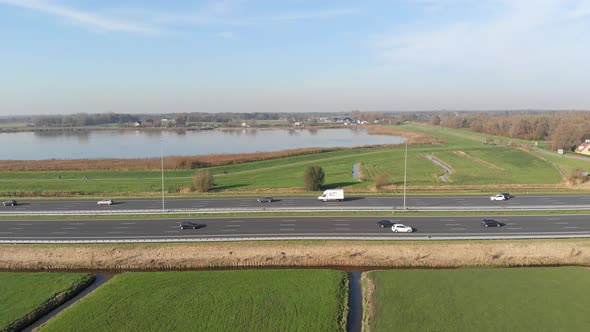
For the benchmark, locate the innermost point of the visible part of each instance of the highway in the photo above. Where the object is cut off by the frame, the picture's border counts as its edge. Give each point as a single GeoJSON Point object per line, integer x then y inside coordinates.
{"type": "Point", "coordinates": [291, 227]}
{"type": "Point", "coordinates": [525, 202]}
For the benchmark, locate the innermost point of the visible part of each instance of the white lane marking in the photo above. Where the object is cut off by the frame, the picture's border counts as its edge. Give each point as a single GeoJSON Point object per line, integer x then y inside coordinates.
{"type": "Point", "coordinates": [446, 220]}
{"type": "Point", "coordinates": [171, 231]}
{"type": "Point", "coordinates": [570, 227]}
{"type": "Point", "coordinates": [236, 221]}
{"type": "Point", "coordinates": [514, 227]}
{"type": "Point", "coordinates": [289, 220]}
{"type": "Point", "coordinates": [59, 232]}
{"type": "Point", "coordinates": [340, 219]}
{"type": "Point", "coordinates": [561, 223]}
{"type": "Point", "coordinates": [233, 225]}
{"type": "Point", "coordinates": [128, 223]}
{"type": "Point", "coordinates": [114, 232]}
{"type": "Point", "coordinates": [510, 224]}
{"type": "Point", "coordinates": [287, 229]}
{"type": "Point", "coordinates": [26, 224]}
{"type": "Point", "coordinates": [342, 229]}
{"type": "Point", "coordinates": [452, 224]}
{"type": "Point", "coordinates": [457, 229]}
{"type": "Point", "coordinates": [76, 223]}
{"type": "Point", "coordinates": [286, 224]}
{"type": "Point", "coordinates": [69, 228]}
{"type": "Point", "coordinates": [15, 228]}
{"type": "Point", "coordinates": [5, 232]}
{"type": "Point", "coordinates": [120, 227]}
{"type": "Point", "coordinates": [341, 224]}
{"type": "Point", "coordinates": [553, 218]}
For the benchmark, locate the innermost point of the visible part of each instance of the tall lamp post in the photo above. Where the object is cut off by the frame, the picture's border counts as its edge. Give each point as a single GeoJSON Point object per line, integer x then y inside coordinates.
{"type": "Point", "coordinates": [162, 162]}
{"type": "Point", "coordinates": [405, 172]}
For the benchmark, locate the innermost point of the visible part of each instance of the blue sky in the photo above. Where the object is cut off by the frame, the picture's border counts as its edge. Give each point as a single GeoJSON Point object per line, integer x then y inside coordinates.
{"type": "Point", "coordinates": [66, 56]}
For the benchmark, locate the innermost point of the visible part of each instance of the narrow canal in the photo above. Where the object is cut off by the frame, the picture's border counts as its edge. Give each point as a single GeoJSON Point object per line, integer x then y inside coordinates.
{"type": "Point", "coordinates": [355, 302]}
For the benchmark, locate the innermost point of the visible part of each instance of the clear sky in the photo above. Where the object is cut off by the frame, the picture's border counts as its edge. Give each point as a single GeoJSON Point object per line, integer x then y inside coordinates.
{"type": "Point", "coordinates": [67, 56]}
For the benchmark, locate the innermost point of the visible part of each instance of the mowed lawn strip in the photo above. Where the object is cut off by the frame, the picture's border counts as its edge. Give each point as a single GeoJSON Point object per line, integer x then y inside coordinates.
{"type": "Point", "coordinates": [251, 300]}
{"type": "Point", "coordinates": [24, 295]}
{"type": "Point", "coordinates": [517, 299]}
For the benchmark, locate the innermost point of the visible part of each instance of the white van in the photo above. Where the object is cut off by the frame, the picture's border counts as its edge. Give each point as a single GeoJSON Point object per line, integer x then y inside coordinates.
{"type": "Point", "coordinates": [332, 195]}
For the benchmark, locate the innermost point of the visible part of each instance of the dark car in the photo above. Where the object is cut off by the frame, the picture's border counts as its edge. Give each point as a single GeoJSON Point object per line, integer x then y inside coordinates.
{"type": "Point", "coordinates": [506, 195]}
{"type": "Point", "coordinates": [9, 203]}
{"type": "Point", "coordinates": [265, 199]}
{"type": "Point", "coordinates": [189, 225]}
{"type": "Point", "coordinates": [385, 223]}
{"type": "Point", "coordinates": [490, 223]}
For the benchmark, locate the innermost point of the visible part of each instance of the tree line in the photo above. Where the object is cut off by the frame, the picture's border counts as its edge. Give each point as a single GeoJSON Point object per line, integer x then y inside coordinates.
{"type": "Point", "coordinates": [564, 130]}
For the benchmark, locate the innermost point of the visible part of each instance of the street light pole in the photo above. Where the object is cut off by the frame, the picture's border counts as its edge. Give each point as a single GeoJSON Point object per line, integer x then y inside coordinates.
{"type": "Point", "coordinates": [162, 159]}
{"type": "Point", "coordinates": [405, 172]}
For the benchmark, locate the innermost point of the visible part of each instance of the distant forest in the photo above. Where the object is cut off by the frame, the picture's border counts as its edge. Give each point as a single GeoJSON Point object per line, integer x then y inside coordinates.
{"type": "Point", "coordinates": [564, 130]}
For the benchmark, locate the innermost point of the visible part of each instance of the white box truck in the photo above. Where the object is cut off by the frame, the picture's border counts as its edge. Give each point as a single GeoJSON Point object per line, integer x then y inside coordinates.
{"type": "Point", "coordinates": [332, 195]}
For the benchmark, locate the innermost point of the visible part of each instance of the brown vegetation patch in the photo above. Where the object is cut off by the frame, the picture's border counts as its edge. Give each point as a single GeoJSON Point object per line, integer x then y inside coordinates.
{"type": "Point", "coordinates": [170, 163]}
{"type": "Point", "coordinates": [291, 253]}
{"type": "Point", "coordinates": [477, 160]}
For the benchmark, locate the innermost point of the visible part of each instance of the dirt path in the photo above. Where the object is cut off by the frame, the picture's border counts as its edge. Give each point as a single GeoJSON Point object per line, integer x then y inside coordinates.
{"type": "Point", "coordinates": [477, 160]}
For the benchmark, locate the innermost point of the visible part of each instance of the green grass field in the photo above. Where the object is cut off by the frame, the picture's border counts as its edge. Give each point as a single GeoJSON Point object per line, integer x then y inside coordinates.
{"type": "Point", "coordinates": [518, 299]}
{"type": "Point", "coordinates": [255, 300]}
{"type": "Point", "coordinates": [21, 294]}
{"type": "Point", "coordinates": [473, 164]}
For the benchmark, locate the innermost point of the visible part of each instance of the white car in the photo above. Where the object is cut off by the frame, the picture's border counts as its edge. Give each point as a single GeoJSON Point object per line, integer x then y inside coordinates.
{"type": "Point", "coordinates": [498, 197]}
{"type": "Point", "coordinates": [105, 202]}
{"type": "Point", "coordinates": [399, 228]}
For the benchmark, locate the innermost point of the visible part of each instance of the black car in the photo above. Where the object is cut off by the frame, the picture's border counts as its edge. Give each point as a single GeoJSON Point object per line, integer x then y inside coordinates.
{"type": "Point", "coordinates": [490, 223]}
{"type": "Point", "coordinates": [385, 223]}
{"type": "Point", "coordinates": [189, 225]}
{"type": "Point", "coordinates": [9, 203]}
{"type": "Point", "coordinates": [265, 199]}
{"type": "Point", "coordinates": [506, 195]}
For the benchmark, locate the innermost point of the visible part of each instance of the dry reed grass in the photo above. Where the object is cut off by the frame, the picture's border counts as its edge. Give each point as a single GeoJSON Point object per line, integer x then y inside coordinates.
{"type": "Point", "coordinates": [296, 254]}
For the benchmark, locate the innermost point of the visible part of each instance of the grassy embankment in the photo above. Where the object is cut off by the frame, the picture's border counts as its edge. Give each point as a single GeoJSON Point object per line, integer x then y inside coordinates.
{"type": "Point", "coordinates": [24, 297]}
{"type": "Point", "coordinates": [477, 168]}
{"type": "Point", "coordinates": [523, 299]}
{"type": "Point", "coordinates": [261, 300]}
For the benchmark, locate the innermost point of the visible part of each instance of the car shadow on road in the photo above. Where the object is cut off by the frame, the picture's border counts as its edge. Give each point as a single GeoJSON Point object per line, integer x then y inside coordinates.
{"type": "Point", "coordinates": [346, 199]}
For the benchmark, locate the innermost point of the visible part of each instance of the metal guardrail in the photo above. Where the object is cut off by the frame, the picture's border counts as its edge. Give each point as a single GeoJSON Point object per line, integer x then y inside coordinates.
{"type": "Point", "coordinates": [295, 209]}
{"type": "Point", "coordinates": [283, 238]}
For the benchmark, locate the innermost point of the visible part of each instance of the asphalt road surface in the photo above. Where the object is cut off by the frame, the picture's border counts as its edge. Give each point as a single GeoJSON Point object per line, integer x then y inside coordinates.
{"type": "Point", "coordinates": [412, 202]}
{"type": "Point", "coordinates": [292, 226]}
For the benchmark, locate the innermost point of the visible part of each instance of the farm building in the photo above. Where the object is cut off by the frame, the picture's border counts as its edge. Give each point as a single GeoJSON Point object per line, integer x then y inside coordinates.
{"type": "Point", "coordinates": [584, 148]}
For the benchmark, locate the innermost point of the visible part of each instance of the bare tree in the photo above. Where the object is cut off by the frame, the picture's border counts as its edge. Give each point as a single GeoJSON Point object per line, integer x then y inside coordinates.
{"type": "Point", "coordinates": [203, 181]}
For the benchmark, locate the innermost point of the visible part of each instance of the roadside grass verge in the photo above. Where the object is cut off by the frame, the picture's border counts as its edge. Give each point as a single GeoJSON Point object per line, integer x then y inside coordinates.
{"type": "Point", "coordinates": [249, 300]}
{"type": "Point", "coordinates": [518, 299]}
{"type": "Point", "coordinates": [376, 214]}
{"type": "Point", "coordinates": [24, 297]}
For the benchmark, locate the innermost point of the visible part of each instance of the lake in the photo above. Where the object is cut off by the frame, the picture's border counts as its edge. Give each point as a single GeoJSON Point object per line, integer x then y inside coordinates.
{"type": "Point", "coordinates": [146, 144]}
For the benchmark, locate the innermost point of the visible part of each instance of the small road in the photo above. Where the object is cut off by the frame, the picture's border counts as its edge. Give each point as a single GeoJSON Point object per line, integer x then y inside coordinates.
{"type": "Point", "coordinates": [525, 202]}
{"type": "Point", "coordinates": [291, 227]}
